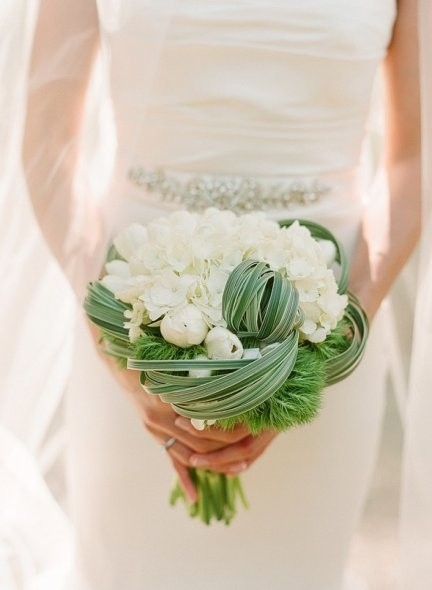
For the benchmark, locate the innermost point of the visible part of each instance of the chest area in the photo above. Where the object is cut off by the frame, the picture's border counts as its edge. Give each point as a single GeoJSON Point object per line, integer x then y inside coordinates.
{"type": "Point", "coordinates": [337, 28]}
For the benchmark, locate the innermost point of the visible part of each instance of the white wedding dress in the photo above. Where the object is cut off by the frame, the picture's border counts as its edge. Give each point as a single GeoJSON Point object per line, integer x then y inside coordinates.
{"type": "Point", "coordinates": [278, 91]}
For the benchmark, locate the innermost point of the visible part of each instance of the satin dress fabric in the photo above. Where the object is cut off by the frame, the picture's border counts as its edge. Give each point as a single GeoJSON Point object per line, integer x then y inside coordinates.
{"type": "Point", "coordinates": [279, 91]}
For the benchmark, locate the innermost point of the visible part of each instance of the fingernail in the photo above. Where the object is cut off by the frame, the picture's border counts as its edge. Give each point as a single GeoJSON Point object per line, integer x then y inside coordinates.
{"type": "Point", "coordinates": [238, 467]}
{"type": "Point", "coordinates": [182, 423]}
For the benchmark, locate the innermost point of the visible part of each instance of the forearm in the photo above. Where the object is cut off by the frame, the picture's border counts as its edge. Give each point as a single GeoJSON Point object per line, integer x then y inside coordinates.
{"type": "Point", "coordinates": [389, 233]}
{"type": "Point", "coordinates": [50, 150]}
{"type": "Point", "coordinates": [65, 44]}
{"type": "Point", "coordinates": [391, 223]}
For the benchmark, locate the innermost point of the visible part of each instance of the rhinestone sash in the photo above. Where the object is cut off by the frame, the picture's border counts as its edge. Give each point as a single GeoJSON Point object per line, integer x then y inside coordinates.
{"type": "Point", "coordinates": [237, 193]}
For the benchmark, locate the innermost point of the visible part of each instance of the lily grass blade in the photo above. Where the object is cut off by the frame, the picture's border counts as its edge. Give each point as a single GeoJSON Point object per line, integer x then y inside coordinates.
{"type": "Point", "coordinates": [241, 395]}
{"type": "Point", "coordinates": [234, 380]}
{"type": "Point", "coordinates": [105, 310]}
{"type": "Point", "coordinates": [279, 320]}
{"type": "Point", "coordinates": [342, 365]}
{"type": "Point", "coordinates": [186, 365]}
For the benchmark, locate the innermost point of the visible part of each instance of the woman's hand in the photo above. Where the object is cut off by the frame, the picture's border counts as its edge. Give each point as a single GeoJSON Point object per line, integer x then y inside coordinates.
{"type": "Point", "coordinates": [233, 458]}
{"type": "Point", "coordinates": [229, 452]}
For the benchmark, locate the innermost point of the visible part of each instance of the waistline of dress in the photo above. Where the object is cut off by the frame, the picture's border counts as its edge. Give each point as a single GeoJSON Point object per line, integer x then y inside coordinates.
{"type": "Point", "coordinates": [241, 193]}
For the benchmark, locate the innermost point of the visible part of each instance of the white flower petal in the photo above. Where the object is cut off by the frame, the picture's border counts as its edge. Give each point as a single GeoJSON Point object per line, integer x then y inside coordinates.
{"type": "Point", "coordinates": [308, 327]}
{"type": "Point", "coordinates": [114, 283]}
{"type": "Point", "coordinates": [198, 424]}
{"type": "Point", "coordinates": [184, 327]}
{"type": "Point", "coordinates": [318, 336]}
{"type": "Point", "coordinates": [119, 268]}
{"type": "Point", "coordinates": [328, 250]}
{"type": "Point", "coordinates": [223, 344]}
{"type": "Point", "coordinates": [185, 259]}
{"type": "Point", "coordinates": [129, 240]}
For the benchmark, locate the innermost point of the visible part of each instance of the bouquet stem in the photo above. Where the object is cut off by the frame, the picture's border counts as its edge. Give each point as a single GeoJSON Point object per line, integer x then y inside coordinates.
{"type": "Point", "coordinates": [218, 496]}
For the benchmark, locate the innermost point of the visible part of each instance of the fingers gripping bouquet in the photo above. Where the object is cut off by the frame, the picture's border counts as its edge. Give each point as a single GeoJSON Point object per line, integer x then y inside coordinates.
{"type": "Point", "coordinates": [230, 319]}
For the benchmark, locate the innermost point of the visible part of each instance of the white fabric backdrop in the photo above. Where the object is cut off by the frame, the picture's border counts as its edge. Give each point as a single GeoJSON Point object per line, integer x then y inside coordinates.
{"type": "Point", "coordinates": [34, 534]}
{"type": "Point", "coordinates": [416, 504]}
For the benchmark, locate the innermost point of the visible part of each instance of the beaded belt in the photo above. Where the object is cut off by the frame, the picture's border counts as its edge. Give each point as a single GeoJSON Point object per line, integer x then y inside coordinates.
{"type": "Point", "coordinates": [237, 193]}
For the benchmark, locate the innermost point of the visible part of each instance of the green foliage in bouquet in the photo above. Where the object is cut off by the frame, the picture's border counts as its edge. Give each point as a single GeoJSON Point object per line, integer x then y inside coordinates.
{"type": "Point", "coordinates": [280, 388]}
{"type": "Point", "coordinates": [154, 348]}
{"type": "Point", "coordinates": [218, 496]}
{"type": "Point", "coordinates": [298, 399]}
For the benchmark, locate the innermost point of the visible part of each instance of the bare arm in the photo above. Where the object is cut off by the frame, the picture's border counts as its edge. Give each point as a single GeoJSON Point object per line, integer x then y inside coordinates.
{"type": "Point", "coordinates": [391, 225]}
{"type": "Point", "coordinates": [65, 44]}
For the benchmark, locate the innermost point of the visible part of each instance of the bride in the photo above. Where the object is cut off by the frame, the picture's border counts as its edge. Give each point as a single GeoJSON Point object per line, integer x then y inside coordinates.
{"type": "Point", "coordinates": [276, 92]}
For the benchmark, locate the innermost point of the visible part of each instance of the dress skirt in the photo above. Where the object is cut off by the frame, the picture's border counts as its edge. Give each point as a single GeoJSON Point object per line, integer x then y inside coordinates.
{"type": "Point", "coordinates": [305, 492]}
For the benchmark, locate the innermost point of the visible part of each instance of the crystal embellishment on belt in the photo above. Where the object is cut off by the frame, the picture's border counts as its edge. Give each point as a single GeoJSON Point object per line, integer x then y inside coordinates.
{"type": "Point", "coordinates": [236, 193]}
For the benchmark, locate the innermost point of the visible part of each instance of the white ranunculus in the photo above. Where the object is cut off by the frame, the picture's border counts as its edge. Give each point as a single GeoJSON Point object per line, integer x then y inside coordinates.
{"type": "Point", "coordinates": [222, 344]}
{"type": "Point", "coordinates": [128, 241]}
{"type": "Point", "coordinates": [308, 327]}
{"type": "Point", "coordinates": [184, 327]}
{"type": "Point", "coordinates": [318, 336]}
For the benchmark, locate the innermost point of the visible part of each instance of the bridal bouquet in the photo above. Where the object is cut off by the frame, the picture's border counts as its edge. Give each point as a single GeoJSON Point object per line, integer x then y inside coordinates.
{"type": "Point", "coordinates": [230, 319]}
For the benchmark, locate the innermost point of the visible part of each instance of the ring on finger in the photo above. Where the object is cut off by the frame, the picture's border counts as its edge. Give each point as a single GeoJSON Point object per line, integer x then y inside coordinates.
{"type": "Point", "coordinates": [169, 443]}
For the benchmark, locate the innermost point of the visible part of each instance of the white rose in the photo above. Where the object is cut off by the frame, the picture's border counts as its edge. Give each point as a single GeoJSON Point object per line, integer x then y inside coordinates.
{"type": "Point", "coordinates": [184, 327]}
{"type": "Point", "coordinates": [223, 344]}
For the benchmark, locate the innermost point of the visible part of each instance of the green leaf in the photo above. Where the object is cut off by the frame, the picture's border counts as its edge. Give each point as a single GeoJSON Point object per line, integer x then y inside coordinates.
{"type": "Point", "coordinates": [340, 366]}
{"type": "Point", "coordinates": [105, 311]}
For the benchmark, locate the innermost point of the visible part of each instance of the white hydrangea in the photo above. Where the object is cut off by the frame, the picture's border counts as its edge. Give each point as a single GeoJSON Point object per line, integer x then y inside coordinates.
{"type": "Point", "coordinates": [130, 239]}
{"type": "Point", "coordinates": [186, 258]}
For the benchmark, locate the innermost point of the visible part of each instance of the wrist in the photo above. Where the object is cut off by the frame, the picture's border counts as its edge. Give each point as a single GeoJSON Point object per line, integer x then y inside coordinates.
{"type": "Point", "coordinates": [370, 301]}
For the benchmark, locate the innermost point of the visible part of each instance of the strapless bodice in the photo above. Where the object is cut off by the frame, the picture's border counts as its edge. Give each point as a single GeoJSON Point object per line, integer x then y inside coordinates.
{"type": "Point", "coordinates": [278, 90]}
{"type": "Point", "coordinates": [277, 87]}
